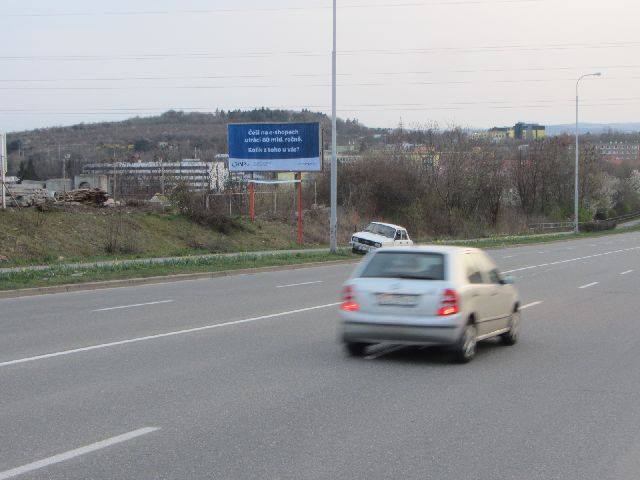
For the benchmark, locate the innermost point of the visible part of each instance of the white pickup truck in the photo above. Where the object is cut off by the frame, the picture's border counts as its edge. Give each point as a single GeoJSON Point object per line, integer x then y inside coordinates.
{"type": "Point", "coordinates": [378, 235]}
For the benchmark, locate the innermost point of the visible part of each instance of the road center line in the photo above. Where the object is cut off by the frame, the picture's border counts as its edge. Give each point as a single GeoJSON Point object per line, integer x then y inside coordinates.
{"type": "Point", "coordinates": [30, 467]}
{"type": "Point", "coordinates": [132, 306]}
{"type": "Point", "coordinates": [530, 267]}
{"type": "Point", "coordinates": [627, 272]}
{"type": "Point", "coordinates": [300, 284]}
{"type": "Point", "coordinates": [529, 305]}
{"type": "Point", "coordinates": [161, 335]}
{"type": "Point", "coordinates": [592, 284]}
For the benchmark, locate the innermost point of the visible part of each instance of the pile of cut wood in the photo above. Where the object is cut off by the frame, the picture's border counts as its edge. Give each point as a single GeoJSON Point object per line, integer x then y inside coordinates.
{"type": "Point", "coordinates": [95, 196]}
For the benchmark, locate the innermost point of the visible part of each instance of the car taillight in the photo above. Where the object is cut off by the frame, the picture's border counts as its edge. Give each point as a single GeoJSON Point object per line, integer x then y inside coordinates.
{"type": "Point", "coordinates": [348, 302]}
{"type": "Point", "coordinates": [450, 304]}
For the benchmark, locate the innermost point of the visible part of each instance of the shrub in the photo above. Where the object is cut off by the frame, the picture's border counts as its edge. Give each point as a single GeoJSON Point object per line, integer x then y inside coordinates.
{"type": "Point", "coordinates": [599, 226]}
{"type": "Point", "coordinates": [119, 235]}
{"type": "Point", "coordinates": [193, 206]}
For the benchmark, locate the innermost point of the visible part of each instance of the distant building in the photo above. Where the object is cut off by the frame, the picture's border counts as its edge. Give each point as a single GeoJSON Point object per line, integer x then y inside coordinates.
{"type": "Point", "coordinates": [619, 152]}
{"type": "Point", "coordinates": [520, 131]}
{"type": "Point", "coordinates": [529, 131]}
{"type": "Point", "coordinates": [501, 133]}
{"type": "Point", "coordinates": [86, 181]}
{"type": "Point", "coordinates": [345, 154]}
{"type": "Point", "coordinates": [54, 185]}
{"type": "Point", "coordinates": [195, 173]}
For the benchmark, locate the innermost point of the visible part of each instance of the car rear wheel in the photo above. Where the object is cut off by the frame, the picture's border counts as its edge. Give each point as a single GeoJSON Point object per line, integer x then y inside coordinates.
{"type": "Point", "coordinates": [511, 337]}
{"type": "Point", "coordinates": [356, 349]}
{"type": "Point", "coordinates": [465, 350]}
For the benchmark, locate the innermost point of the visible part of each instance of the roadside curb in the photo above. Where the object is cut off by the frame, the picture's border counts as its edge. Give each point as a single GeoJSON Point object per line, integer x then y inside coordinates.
{"type": "Point", "coordinates": [78, 287]}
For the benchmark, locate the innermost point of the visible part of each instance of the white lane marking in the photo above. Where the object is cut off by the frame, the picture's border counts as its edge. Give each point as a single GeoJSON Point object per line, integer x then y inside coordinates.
{"type": "Point", "coordinates": [161, 335]}
{"type": "Point", "coordinates": [530, 267]}
{"type": "Point", "coordinates": [509, 256]}
{"type": "Point", "coordinates": [627, 272]}
{"type": "Point", "coordinates": [385, 351]}
{"type": "Point", "coordinates": [300, 284]}
{"type": "Point", "coordinates": [30, 467]}
{"type": "Point", "coordinates": [592, 284]}
{"type": "Point", "coordinates": [43, 296]}
{"type": "Point", "coordinates": [529, 305]}
{"type": "Point", "coordinates": [132, 306]}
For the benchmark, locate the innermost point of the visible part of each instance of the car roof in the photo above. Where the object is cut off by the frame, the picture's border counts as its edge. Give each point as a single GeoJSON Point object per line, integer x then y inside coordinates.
{"type": "Point", "coordinates": [442, 249]}
{"type": "Point", "coordinates": [397, 227]}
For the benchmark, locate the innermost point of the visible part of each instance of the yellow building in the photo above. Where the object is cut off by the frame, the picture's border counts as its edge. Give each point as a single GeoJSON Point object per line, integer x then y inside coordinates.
{"type": "Point", "coordinates": [520, 131]}
{"type": "Point", "coordinates": [290, 176]}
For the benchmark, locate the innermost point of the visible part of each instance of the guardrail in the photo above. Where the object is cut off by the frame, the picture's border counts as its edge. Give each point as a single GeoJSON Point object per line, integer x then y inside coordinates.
{"type": "Point", "coordinates": [622, 218]}
{"type": "Point", "coordinates": [570, 225]}
{"type": "Point", "coordinates": [551, 226]}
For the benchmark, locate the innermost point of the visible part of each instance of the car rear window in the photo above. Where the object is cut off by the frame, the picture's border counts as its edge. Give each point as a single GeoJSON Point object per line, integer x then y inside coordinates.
{"type": "Point", "coordinates": [410, 265]}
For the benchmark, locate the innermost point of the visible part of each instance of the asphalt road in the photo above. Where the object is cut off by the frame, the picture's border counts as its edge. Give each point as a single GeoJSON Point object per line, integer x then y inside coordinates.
{"type": "Point", "coordinates": [242, 377]}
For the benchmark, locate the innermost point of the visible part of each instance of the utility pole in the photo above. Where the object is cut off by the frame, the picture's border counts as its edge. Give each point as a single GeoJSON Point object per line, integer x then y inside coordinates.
{"type": "Point", "coordinates": [3, 162]}
{"type": "Point", "coordinates": [333, 226]}
{"type": "Point", "coordinates": [576, 193]}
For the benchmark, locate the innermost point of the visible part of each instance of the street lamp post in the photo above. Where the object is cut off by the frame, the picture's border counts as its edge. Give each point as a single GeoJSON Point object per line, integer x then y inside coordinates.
{"type": "Point", "coordinates": [333, 223]}
{"type": "Point", "coordinates": [576, 199]}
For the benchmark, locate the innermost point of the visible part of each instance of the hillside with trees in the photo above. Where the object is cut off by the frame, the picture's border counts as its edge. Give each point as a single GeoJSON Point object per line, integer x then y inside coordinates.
{"type": "Point", "coordinates": [172, 136]}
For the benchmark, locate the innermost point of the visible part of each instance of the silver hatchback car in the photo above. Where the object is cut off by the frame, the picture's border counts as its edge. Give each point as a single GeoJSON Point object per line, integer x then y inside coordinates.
{"type": "Point", "coordinates": [428, 295]}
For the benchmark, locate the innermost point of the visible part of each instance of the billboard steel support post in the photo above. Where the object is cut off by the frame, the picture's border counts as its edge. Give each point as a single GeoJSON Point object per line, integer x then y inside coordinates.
{"type": "Point", "coordinates": [252, 202]}
{"type": "Point", "coordinates": [333, 227]}
{"type": "Point", "coordinates": [299, 186]}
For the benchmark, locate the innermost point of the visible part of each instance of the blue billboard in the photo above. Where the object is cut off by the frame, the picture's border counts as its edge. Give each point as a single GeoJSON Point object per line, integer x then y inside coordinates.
{"type": "Point", "coordinates": [274, 147]}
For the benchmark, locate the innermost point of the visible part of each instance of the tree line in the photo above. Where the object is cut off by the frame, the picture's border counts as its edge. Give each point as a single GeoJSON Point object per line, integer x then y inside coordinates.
{"type": "Point", "coordinates": [456, 184]}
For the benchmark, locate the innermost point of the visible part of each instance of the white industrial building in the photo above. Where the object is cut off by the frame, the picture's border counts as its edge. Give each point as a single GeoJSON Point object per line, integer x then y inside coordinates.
{"type": "Point", "coordinates": [197, 174]}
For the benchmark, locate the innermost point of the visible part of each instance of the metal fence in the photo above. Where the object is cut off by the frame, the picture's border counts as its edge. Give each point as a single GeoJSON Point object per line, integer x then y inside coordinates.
{"type": "Point", "coordinates": [569, 225]}
{"type": "Point", "coordinates": [274, 203]}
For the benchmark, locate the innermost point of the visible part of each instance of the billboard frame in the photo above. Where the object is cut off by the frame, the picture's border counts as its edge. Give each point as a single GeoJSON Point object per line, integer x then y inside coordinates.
{"type": "Point", "coordinates": [320, 147]}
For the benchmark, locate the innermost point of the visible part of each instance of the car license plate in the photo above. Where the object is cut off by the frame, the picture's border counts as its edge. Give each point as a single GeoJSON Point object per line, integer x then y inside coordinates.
{"type": "Point", "coordinates": [396, 300]}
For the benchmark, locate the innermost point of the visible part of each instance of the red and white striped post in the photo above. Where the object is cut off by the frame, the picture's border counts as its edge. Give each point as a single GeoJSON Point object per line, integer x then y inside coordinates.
{"type": "Point", "coordinates": [300, 232]}
{"type": "Point", "coordinates": [252, 202]}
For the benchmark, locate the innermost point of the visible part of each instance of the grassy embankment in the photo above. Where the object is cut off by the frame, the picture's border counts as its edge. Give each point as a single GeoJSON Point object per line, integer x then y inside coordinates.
{"type": "Point", "coordinates": [532, 239]}
{"type": "Point", "coordinates": [55, 238]}
{"type": "Point", "coordinates": [61, 275]}
{"type": "Point", "coordinates": [29, 237]}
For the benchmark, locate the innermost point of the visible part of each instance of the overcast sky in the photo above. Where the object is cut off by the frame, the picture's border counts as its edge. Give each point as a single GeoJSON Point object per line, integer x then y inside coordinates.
{"type": "Point", "coordinates": [465, 62]}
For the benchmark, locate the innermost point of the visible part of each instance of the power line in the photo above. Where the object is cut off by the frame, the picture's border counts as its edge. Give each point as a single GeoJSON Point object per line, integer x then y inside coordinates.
{"type": "Point", "coordinates": [414, 4]}
{"type": "Point", "coordinates": [302, 53]}
{"type": "Point", "coordinates": [310, 75]}
{"type": "Point", "coordinates": [291, 86]}
{"type": "Point", "coordinates": [497, 104]}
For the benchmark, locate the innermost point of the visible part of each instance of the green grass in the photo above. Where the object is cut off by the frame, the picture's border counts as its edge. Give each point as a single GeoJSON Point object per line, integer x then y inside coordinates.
{"type": "Point", "coordinates": [515, 240]}
{"type": "Point", "coordinates": [60, 275]}
{"type": "Point", "coordinates": [29, 237]}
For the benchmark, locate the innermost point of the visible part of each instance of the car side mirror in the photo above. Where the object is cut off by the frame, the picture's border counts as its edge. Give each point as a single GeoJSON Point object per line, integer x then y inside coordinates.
{"type": "Point", "coordinates": [507, 280]}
